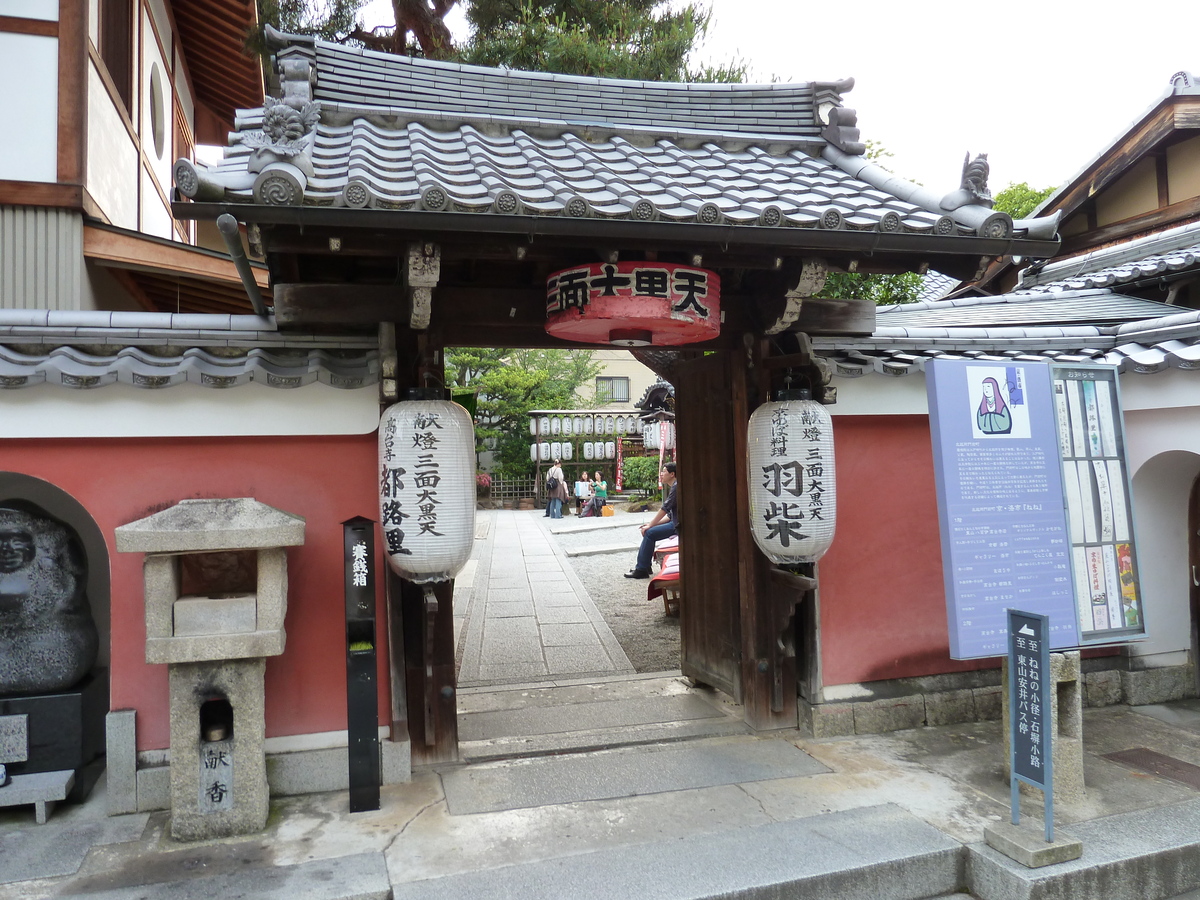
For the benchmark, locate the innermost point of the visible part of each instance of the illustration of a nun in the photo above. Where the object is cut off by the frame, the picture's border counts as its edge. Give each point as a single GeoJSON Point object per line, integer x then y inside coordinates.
{"type": "Point", "coordinates": [993, 415]}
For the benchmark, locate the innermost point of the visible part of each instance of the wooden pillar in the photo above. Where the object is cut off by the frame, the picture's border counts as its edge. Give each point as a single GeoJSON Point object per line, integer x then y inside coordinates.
{"type": "Point", "coordinates": [768, 662]}
{"type": "Point", "coordinates": [420, 623]}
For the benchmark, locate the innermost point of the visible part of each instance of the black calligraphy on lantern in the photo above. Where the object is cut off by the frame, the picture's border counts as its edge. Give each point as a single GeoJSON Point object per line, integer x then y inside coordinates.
{"type": "Point", "coordinates": [798, 484]}
{"type": "Point", "coordinates": [687, 290]}
{"type": "Point", "coordinates": [779, 432]}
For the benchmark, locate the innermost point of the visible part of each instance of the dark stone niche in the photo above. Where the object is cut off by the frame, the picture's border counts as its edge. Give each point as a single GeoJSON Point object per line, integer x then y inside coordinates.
{"type": "Point", "coordinates": [48, 640]}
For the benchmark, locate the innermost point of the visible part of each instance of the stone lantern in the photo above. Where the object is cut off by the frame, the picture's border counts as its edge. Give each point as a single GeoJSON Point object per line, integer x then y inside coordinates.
{"type": "Point", "coordinates": [215, 595]}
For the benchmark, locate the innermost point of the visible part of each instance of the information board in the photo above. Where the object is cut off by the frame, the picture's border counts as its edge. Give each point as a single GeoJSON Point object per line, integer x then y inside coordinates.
{"type": "Point", "coordinates": [1033, 502]}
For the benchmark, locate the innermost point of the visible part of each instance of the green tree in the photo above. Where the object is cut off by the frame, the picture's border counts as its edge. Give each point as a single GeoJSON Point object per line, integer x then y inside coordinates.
{"type": "Point", "coordinates": [330, 20]}
{"type": "Point", "coordinates": [509, 384]}
{"type": "Point", "coordinates": [645, 40]}
{"type": "Point", "coordinates": [420, 25]}
{"type": "Point", "coordinates": [1019, 200]}
{"type": "Point", "coordinates": [882, 290]}
{"type": "Point", "coordinates": [641, 474]}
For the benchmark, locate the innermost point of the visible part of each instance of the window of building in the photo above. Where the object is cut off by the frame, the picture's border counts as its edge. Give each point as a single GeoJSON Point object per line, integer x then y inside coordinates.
{"type": "Point", "coordinates": [116, 46]}
{"type": "Point", "coordinates": [612, 390]}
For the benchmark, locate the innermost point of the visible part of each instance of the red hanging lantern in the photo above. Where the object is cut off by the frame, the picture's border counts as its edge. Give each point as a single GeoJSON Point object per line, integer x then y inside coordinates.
{"type": "Point", "coordinates": [634, 304]}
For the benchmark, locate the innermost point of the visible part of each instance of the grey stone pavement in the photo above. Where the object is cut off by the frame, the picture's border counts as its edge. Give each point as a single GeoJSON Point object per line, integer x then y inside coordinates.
{"type": "Point", "coordinates": [526, 615]}
{"type": "Point", "coordinates": [586, 780]}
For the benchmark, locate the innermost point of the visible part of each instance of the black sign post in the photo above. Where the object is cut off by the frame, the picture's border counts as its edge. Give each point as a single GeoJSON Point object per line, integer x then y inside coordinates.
{"type": "Point", "coordinates": [1031, 754]}
{"type": "Point", "coordinates": [362, 697]}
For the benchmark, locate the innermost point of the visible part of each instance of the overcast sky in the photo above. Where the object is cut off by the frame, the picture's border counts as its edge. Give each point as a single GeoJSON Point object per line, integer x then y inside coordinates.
{"type": "Point", "coordinates": [1041, 87]}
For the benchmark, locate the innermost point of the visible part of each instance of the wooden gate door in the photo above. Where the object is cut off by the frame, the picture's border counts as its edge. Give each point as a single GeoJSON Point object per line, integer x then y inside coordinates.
{"type": "Point", "coordinates": [737, 612]}
{"type": "Point", "coordinates": [710, 616]}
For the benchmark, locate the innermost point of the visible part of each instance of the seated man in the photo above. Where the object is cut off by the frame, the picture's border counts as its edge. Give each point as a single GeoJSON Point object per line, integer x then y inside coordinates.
{"type": "Point", "coordinates": [656, 529]}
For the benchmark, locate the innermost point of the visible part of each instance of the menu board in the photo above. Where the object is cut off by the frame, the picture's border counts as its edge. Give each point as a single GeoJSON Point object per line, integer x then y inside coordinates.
{"type": "Point", "coordinates": [1033, 502]}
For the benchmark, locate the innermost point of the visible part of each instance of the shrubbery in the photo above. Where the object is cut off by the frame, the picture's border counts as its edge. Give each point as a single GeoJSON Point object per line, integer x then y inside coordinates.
{"type": "Point", "coordinates": [641, 474]}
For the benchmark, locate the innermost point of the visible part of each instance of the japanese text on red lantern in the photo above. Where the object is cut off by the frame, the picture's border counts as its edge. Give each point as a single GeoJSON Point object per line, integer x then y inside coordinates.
{"type": "Point", "coordinates": [684, 288]}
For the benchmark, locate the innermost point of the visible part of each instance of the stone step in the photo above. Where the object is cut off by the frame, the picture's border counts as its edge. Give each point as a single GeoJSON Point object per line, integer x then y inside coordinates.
{"type": "Point", "coordinates": [362, 876]}
{"type": "Point", "coordinates": [623, 772]}
{"type": "Point", "coordinates": [1150, 854]}
{"type": "Point", "coordinates": [570, 718]}
{"type": "Point", "coordinates": [873, 853]}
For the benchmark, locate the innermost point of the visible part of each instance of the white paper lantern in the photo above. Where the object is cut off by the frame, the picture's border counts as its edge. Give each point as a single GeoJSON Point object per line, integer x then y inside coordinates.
{"type": "Point", "coordinates": [790, 470]}
{"type": "Point", "coordinates": [533, 428]}
{"type": "Point", "coordinates": [589, 452]}
{"type": "Point", "coordinates": [610, 450]}
{"type": "Point", "coordinates": [555, 450]}
{"type": "Point", "coordinates": [650, 437]}
{"type": "Point", "coordinates": [544, 425]}
{"type": "Point", "coordinates": [577, 424]}
{"type": "Point", "coordinates": [427, 490]}
{"type": "Point", "coordinates": [610, 425]}
{"type": "Point", "coordinates": [544, 451]}
{"type": "Point", "coordinates": [621, 424]}
{"type": "Point", "coordinates": [588, 424]}
{"type": "Point", "coordinates": [567, 451]}
{"type": "Point", "coordinates": [668, 432]}
{"type": "Point", "coordinates": [533, 453]}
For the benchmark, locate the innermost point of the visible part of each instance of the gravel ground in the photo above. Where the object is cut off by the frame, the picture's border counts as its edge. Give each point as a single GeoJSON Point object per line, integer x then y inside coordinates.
{"type": "Point", "coordinates": [647, 635]}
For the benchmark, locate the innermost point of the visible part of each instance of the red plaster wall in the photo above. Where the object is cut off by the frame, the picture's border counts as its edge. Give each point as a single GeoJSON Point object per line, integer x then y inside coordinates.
{"type": "Point", "coordinates": [324, 479]}
{"type": "Point", "coordinates": [883, 606]}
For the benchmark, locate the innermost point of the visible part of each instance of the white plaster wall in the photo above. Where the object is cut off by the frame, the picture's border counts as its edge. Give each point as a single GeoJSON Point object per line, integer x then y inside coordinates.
{"type": "Point", "coordinates": [1160, 504]}
{"type": "Point", "coordinates": [30, 61]}
{"type": "Point", "coordinates": [156, 216]}
{"type": "Point", "coordinates": [48, 411]}
{"type": "Point", "coordinates": [94, 22]}
{"type": "Point", "coordinates": [46, 10]}
{"type": "Point", "coordinates": [880, 395]}
{"type": "Point", "coordinates": [112, 163]}
{"type": "Point", "coordinates": [159, 165]}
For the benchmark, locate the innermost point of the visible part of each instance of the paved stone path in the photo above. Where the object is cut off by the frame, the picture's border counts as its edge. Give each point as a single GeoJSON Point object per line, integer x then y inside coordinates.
{"type": "Point", "coordinates": [527, 617]}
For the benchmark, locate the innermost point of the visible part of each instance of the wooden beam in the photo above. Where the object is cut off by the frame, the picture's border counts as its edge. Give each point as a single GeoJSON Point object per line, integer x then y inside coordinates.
{"type": "Point", "coordinates": [127, 250]}
{"type": "Point", "coordinates": [1151, 221]}
{"type": "Point", "coordinates": [36, 193]}
{"type": "Point", "coordinates": [72, 91]}
{"type": "Point", "coordinates": [21, 25]}
{"type": "Point", "coordinates": [1145, 137]}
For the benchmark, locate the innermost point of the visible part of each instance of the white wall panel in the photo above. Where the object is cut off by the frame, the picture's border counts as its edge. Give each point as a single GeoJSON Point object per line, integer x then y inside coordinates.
{"type": "Point", "coordinates": [187, 410]}
{"type": "Point", "coordinates": [29, 152]}
{"type": "Point", "coordinates": [156, 217]}
{"type": "Point", "coordinates": [46, 10]}
{"type": "Point", "coordinates": [112, 163]}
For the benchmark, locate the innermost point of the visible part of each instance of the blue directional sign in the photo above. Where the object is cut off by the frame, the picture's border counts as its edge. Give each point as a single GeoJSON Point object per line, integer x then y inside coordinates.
{"type": "Point", "coordinates": [1031, 752]}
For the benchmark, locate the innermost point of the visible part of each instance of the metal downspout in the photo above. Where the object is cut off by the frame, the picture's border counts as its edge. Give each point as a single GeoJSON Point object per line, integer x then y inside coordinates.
{"type": "Point", "coordinates": [228, 227]}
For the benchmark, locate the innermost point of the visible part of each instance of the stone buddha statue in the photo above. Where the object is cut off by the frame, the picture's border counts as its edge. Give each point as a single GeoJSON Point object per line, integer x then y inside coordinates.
{"type": "Point", "coordinates": [48, 640]}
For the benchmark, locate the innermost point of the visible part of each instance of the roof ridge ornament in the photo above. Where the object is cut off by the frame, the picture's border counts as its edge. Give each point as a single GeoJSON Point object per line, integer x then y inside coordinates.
{"type": "Point", "coordinates": [973, 191]}
{"type": "Point", "coordinates": [842, 131]}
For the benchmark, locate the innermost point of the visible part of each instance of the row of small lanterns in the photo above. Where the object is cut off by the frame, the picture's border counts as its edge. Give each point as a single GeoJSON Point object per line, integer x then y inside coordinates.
{"type": "Point", "coordinates": [427, 491]}
{"type": "Point", "coordinates": [545, 451]}
{"type": "Point", "coordinates": [547, 425]}
{"type": "Point", "coordinates": [658, 436]}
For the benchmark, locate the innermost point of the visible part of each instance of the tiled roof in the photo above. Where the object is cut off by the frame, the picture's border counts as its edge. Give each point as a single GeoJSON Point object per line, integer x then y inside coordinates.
{"type": "Point", "coordinates": [355, 78]}
{"type": "Point", "coordinates": [935, 285]}
{"type": "Point", "coordinates": [1168, 253]}
{"type": "Point", "coordinates": [398, 133]}
{"type": "Point", "coordinates": [93, 349]}
{"type": "Point", "coordinates": [1066, 310]}
{"type": "Point", "coordinates": [1024, 308]}
{"type": "Point", "coordinates": [467, 170]}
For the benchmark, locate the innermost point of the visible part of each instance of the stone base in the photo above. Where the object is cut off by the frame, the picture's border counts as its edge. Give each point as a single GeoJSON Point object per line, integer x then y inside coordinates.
{"type": "Point", "coordinates": [232, 799]}
{"type": "Point", "coordinates": [1029, 847]}
{"type": "Point", "coordinates": [66, 731]}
